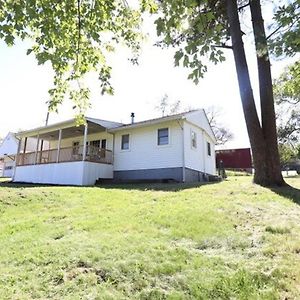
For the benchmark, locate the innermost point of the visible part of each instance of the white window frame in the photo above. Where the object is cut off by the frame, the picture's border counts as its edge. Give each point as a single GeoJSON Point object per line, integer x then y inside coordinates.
{"type": "Point", "coordinates": [121, 144]}
{"type": "Point", "coordinates": [192, 146]}
{"type": "Point", "coordinates": [157, 137]}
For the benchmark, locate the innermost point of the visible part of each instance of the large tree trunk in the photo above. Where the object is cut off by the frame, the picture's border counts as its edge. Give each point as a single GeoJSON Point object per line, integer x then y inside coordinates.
{"type": "Point", "coordinates": [255, 132]}
{"type": "Point", "coordinates": [266, 94]}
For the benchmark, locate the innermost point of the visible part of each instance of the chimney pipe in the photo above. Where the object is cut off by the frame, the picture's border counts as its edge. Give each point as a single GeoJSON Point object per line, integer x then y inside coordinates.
{"type": "Point", "coordinates": [132, 118]}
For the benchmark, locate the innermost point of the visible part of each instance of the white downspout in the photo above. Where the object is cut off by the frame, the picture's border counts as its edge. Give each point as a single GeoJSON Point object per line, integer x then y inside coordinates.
{"type": "Point", "coordinates": [203, 139]}
{"type": "Point", "coordinates": [183, 154]}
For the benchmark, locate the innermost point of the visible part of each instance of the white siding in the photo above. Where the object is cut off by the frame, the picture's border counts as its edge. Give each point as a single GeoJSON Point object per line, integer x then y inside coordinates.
{"type": "Point", "coordinates": [144, 153]}
{"type": "Point", "coordinates": [93, 171]}
{"type": "Point", "coordinates": [199, 119]}
{"type": "Point", "coordinates": [198, 158]}
{"type": "Point", "coordinates": [74, 173]}
{"type": "Point", "coordinates": [8, 166]}
{"type": "Point", "coordinates": [9, 145]}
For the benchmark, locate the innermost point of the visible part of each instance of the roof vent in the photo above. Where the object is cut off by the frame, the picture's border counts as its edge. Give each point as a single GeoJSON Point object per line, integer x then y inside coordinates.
{"type": "Point", "coordinates": [132, 118]}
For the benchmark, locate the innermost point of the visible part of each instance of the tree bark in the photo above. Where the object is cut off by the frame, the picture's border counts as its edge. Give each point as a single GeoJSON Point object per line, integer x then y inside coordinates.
{"type": "Point", "coordinates": [266, 94]}
{"type": "Point", "coordinates": [257, 140]}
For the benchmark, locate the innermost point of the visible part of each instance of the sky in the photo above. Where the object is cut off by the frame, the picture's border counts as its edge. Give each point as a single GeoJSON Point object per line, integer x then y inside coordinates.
{"type": "Point", "coordinates": [24, 89]}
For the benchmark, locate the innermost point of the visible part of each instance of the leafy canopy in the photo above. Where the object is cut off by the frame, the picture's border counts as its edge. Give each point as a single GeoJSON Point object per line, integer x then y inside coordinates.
{"type": "Point", "coordinates": [75, 36]}
{"type": "Point", "coordinates": [287, 95]}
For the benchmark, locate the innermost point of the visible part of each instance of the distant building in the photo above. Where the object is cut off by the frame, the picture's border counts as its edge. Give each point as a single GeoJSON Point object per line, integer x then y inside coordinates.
{"type": "Point", "coordinates": [8, 150]}
{"type": "Point", "coordinates": [236, 159]}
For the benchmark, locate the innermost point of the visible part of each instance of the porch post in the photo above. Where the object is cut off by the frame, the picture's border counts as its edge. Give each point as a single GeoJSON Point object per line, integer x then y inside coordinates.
{"type": "Point", "coordinates": [17, 159]}
{"type": "Point", "coordinates": [58, 146]}
{"type": "Point", "coordinates": [37, 148]}
{"type": "Point", "coordinates": [24, 149]}
{"type": "Point", "coordinates": [84, 141]}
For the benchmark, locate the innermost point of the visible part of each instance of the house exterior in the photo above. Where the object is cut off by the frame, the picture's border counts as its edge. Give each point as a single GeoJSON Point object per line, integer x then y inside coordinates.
{"type": "Point", "coordinates": [179, 147]}
{"type": "Point", "coordinates": [8, 150]}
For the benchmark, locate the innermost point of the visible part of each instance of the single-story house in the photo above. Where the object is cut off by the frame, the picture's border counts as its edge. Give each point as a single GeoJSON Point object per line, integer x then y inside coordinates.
{"type": "Point", "coordinates": [178, 147]}
{"type": "Point", "coordinates": [8, 150]}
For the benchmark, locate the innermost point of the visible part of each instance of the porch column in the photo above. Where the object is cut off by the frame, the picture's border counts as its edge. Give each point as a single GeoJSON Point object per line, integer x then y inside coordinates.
{"type": "Point", "coordinates": [37, 148]}
{"type": "Point", "coordinates": [84, 141]}
{"type": "Point", "coordinates": [17, 159]}
{"type": "Point", "coordinates": [24, 149]}
{"type": "Point", "coordinates": [58, 146]}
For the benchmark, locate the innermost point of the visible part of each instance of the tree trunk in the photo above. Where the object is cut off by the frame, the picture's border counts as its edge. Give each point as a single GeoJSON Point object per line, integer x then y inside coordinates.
{"type": "Point", "coordinates": [257, 141]}
{"type": "Point", "coordinates": [266, 94]}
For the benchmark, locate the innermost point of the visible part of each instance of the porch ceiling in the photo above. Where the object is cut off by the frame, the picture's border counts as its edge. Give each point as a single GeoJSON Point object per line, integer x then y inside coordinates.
{"type": "Point", "coordinates": [72, 131]}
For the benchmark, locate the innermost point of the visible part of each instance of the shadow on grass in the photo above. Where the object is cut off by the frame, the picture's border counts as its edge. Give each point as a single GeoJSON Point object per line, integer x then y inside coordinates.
{"type": "Point", "coordinates": [164, 187]}
{"type": "Point", "coordinates": [10, 184]}
{"type": "Point", "coordinates": [288, 192]}
{"type": "Point", "coordinates": [167, 187]}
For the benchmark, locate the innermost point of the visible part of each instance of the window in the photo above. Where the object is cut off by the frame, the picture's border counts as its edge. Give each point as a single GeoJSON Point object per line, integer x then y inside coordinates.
{"type": "Point", "coordinates": [208, 149]}
{"type": "Point", "coordinates": [163, 136]}
{"type": "Point", "coordinates": [194, 139]}
{"type": "Point", "coordinates": [95, 144]}
{"type": "Point", "coordinates": [103, 144]}
{"type": "Point", "coordinates": [125, 142]}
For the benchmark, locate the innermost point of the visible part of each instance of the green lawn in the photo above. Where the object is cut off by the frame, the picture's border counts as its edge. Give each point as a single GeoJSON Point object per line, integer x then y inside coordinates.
{"type": "Point", "coordinates": [229, 240]}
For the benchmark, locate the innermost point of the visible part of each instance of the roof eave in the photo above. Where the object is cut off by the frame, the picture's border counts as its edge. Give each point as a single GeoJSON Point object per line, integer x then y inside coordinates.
{"type": "Point", "coordinates": [146, 123]}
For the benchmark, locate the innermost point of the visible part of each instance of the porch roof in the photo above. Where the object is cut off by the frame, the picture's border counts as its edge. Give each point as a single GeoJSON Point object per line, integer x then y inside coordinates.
{"type": "Point", "coordinates": [70, 129]}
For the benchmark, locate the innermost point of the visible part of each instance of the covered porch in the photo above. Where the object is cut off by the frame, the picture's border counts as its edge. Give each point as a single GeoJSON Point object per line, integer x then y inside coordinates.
{"type": "Point", "coordinates": [65, 153]}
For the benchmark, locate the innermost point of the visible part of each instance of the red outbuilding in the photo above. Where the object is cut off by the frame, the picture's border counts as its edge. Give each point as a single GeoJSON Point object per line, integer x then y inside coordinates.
{"type": "Point", "coordinates": [237, 159]}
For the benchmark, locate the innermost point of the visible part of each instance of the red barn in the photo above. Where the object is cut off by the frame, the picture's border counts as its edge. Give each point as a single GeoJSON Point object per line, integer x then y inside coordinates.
{"type": "Point", "coordinates": [239, 159]}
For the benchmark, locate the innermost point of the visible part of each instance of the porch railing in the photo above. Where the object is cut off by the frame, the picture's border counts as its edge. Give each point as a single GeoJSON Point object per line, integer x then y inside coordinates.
{"type": "Point", "coordinates": [93, 154]}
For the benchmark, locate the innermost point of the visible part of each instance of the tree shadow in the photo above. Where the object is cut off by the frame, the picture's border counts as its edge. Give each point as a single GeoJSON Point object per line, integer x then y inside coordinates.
{"type": "Point", "coordinates": [16, 185]}
{"type": "Point", "coordinates": [164, 187]}
{"type": "Point", "coordinates": [288, 192]}
{"type": "Point", "coordinates": [149, 186]}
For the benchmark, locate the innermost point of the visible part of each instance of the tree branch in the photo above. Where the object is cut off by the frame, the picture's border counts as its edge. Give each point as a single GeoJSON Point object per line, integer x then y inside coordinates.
{"type": "Point", "coordinates": [276, 30]}
{"type": "Point", "coordinates": [243, 6]}
{"type": "Point", "coordinates": [222, 46]}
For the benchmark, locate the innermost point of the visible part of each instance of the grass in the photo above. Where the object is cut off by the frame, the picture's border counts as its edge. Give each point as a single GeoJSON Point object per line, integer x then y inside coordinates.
{"type": "Point", "coordinates": [229, 240]}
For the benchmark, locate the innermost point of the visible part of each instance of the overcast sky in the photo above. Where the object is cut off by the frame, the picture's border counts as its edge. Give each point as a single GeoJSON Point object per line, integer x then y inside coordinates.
{"type": "Point", "coordinates": [24, 89]}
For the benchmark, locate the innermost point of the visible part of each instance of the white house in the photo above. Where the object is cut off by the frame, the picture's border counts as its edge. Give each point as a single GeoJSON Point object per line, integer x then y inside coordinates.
{"type": "Point", "coordinates": [179, 147]}
{"type": "Point", "coordinates": [8, 150]}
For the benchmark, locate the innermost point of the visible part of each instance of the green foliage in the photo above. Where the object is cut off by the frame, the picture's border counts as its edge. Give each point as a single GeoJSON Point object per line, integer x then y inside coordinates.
{"type": "Point", "coordinates": [287, 96]}
{"type": "Point", "coordinates": [287, 86]}
{"type": "Point", "coordinates": [288, 153]}
{"type": "Point", "coordinates": [75, 37]}
{"type": "Point", "coordinates": [196, 29]}
{"type": "Point", "coordinates": [285, 38]}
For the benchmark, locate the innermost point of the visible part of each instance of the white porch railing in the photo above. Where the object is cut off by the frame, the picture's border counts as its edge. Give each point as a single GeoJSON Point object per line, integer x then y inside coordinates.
{"type": "Point", "coordinates": [93, 154]}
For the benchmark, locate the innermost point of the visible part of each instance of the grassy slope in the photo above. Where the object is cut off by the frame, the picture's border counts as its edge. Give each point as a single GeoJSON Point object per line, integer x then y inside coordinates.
{"type": "Point", "coordinates": [227, 240]}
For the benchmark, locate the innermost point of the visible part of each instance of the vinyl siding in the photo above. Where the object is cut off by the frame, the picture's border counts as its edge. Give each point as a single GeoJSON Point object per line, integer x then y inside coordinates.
{"type": "Point", "coordinates": [144, 153]}
{"type": "Point", "coordinates": [198, 158]}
